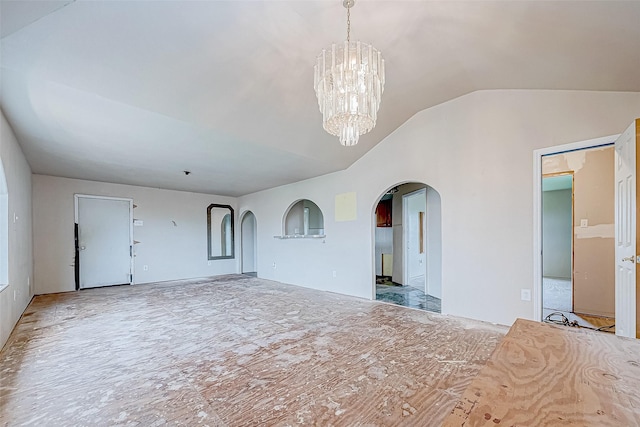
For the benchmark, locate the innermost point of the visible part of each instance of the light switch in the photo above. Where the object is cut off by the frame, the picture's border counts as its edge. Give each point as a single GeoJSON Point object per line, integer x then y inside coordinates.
{"type": "Point", "coordinates": [525, 294]}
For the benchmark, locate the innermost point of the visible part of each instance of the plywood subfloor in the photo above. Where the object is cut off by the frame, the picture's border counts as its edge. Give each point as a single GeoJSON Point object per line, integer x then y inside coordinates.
{"type": "Point", "coordinates": [548, 375]}
{"type": "Point", "coordinates": [236, 351]}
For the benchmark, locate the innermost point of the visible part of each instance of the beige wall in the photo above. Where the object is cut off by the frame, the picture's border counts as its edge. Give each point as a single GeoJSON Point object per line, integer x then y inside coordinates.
{"type": "Point", "coordinates": [594, 245]}
{"type": "Point", "coordinates": [171, 251]}
{"type": "Point", "coordinates": [15, 298]}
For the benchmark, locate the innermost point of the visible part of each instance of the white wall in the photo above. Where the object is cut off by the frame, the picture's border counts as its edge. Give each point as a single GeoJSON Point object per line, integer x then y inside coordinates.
{"type": "Point", "coordinates": [171, 251]}
{"type": "Point", "coordinates": [434, 243]}
{"type": "Point", "coordinates": [477, 152]}
{"type": "Point", "coordinates": [15, 298]}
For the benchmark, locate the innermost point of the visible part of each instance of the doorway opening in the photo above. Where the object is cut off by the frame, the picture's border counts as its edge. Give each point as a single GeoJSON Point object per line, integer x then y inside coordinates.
{"type": "Point", "coordinates": [408, 247]}
{"type": "Point", "coordinates": [577, 220]}
{"type": "Point", "coordinates": [557, 243]}
{"type": "Point", "coordinates": [248, 235]}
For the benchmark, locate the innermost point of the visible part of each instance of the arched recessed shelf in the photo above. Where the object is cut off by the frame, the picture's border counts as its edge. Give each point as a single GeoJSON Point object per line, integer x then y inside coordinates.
{"type": "Point", "coordinates": [303, 220]}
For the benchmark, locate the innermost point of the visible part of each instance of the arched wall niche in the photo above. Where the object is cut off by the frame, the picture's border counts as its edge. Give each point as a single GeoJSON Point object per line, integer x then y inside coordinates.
{"type": "Point", "coordinates": [303, 219]}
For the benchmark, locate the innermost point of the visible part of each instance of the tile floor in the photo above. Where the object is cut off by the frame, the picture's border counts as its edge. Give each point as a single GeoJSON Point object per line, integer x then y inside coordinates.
{"type": "Point", "coordinates": [234, 351]}
{"type": "Point", "coordinates": [407, 296]}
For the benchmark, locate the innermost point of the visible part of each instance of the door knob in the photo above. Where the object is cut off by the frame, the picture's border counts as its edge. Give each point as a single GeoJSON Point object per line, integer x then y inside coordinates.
{"type": "Point", "coordinates": [629, 258]}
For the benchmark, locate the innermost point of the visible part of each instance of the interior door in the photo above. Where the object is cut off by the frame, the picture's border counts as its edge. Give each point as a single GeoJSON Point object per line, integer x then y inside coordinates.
{"type": "Point", "coordinates": [414, 207]}
{"type": "Point", "coordinates": [104, 241]}
{"type": "Point", "coordinates": [626, 228]}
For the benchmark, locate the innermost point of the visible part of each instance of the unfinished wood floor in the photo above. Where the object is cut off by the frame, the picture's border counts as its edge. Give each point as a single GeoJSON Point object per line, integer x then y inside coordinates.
{"type": "Point", "coordinates": [234, 351]}
{"type": "Point", "coordinates": [549, 375]}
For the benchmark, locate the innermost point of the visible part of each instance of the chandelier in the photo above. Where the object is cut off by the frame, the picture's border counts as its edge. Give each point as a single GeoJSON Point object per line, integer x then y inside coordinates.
{"type": "Point", "coordinates": [349, 81]}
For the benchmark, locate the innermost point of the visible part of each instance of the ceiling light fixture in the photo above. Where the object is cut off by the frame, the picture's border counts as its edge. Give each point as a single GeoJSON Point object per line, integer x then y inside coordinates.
{"type": "Point", "coordinates": [349, 81]}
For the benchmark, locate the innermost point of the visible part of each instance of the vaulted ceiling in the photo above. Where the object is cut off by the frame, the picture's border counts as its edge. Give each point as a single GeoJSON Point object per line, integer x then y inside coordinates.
{"type": "Point", "coordinates": [136, 92]}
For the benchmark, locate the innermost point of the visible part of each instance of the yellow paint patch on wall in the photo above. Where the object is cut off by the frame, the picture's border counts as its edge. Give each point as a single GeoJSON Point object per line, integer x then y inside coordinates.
{"type": "Point", "coordinates": [346, 207]}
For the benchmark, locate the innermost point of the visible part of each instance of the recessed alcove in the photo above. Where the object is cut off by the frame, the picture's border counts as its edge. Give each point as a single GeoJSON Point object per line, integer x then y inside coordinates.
{"type": "Point", "coordinates": [303, 220]}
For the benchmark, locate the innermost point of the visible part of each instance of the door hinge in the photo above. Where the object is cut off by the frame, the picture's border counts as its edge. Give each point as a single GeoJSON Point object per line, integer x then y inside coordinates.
{"type": "Point", "coordinates": [130, 250]}
{"type": "Point", "coordinates": [130, 278]}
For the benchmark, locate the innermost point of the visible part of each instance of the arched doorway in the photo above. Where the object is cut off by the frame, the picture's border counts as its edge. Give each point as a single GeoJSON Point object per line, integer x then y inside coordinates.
{"type": "Point", "coordinates": [248, 235]}
{"type": "Point", "coordinates": [407, 223]}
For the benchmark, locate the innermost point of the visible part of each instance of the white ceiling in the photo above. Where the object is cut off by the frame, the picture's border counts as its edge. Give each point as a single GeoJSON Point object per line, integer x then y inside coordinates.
{"type": "Point", "coordinates": [135, 92]}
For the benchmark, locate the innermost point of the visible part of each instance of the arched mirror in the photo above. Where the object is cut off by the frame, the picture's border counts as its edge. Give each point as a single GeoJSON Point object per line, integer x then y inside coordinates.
{"type": "Point", "coordinates": [220, 231]}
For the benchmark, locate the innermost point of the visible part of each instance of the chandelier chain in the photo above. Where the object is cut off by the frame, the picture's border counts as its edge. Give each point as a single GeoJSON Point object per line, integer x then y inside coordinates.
{"type": "Point", "coordinates": [348, 23]}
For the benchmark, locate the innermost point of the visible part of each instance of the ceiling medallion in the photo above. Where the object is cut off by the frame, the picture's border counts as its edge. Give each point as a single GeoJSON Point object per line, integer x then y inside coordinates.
{"type": "Point", "coordinates": [349, 81]}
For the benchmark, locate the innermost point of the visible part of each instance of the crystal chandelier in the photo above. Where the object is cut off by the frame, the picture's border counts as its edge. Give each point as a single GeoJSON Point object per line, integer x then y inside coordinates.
{"type": "Point", "coordinates": [349, 81]}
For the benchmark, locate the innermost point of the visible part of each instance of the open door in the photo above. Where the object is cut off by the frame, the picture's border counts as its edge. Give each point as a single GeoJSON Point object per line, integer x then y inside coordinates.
{"type": "Point", "coordinates": [626, 218]}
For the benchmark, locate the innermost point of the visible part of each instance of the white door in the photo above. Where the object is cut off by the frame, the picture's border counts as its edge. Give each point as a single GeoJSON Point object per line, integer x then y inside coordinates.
{"type": "Point", "coordinates": [104, 240]}
{"type": "Point", "coordinates": [414, 206]}
{"type": "Point", "coordinates": [625, 225]}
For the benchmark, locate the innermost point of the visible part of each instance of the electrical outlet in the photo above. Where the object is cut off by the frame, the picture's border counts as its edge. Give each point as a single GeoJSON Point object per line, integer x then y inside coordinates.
{"type": "Point", "coordinates": [208, 262]}
{"type": "Point", "coordinates": [274, 265]}
{"type": "Point", "coordinates": [584, 223]}
{"type": "Point", "coordinates": [334, 273]}
{"type": "Point", "coordinates": [145, 267]}
{"type": "Point", "coordinates": [525, 294]}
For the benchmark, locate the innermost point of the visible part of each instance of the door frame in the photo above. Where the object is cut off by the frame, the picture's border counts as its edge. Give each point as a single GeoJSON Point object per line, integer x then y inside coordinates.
{"type": "Point", "coordinates": [405, 227]}
{"type": "Point", "coordinates": [537, 208]}
{"type": "Point", "coordinates": [76, 198]}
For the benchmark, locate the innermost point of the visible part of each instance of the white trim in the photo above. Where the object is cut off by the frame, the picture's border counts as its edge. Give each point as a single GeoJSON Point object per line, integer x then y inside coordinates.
{"type": "Point", "coordinates": [537, 208]}
{"type": "Point", "coordinates": [76, 197]}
